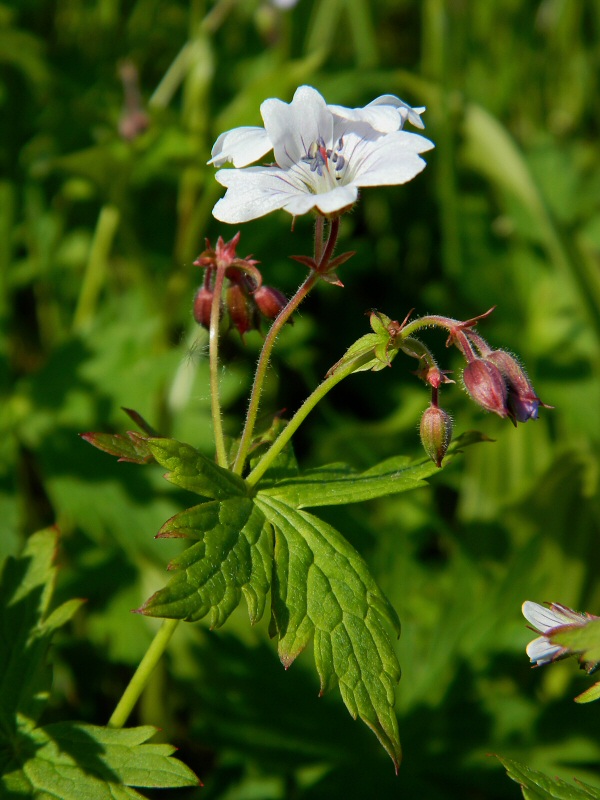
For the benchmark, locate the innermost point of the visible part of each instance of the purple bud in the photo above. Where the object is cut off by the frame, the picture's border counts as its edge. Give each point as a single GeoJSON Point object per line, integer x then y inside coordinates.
{"type": "Point", "coordinates": [436, 433]}
{"type": "Point", "coordinates": [269, 301]}
{"type": "Point", "coordinates": [486, 385]}
{"type": "Point", "coordinates": [202, 307]}
{"type": "Point", "coordinates": [522, 401]}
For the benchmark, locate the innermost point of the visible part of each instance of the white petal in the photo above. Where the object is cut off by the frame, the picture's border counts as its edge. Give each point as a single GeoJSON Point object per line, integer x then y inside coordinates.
{"type": "Point", "coordinates": [241, 146]}
{"type": "Point", "coordinates": [384, 119]}
{"type": "Point", "coordinates": [406, 112]}
{"type": "Point", "coordinates": [544, 619]}
{"type": "Point", "coordinates": [252, 193]}
{"type": "Point", "coordinates": [389, 161]}
{"type": "Point", "coordinates": [327, 203]}
{"type": "Point", "coordinates": [293, 127]}
{"type": "Point", "coordinates": [541, 652]}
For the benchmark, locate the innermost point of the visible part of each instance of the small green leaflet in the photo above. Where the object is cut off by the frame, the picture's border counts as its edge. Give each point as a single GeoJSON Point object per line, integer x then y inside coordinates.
{"type": "Point", "coordinates": [538, 786]}
{"type": "Point", "coordinates": [69, 760]}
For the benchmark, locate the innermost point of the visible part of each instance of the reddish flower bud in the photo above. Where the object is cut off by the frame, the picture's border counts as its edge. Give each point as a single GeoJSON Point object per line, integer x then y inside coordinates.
{"type": "Point", "coordinates": [486, 385]}
{"type": "Point", "coordinates": [436, 433]}
{"type": "Point", "coordinates": [269, 301]}
{"type": "Point", "coordinates": [522, 401]}
{"type": "Point", "coordinates": [240, 311]}
{"type": "Point", "coordinates": [202, 306]}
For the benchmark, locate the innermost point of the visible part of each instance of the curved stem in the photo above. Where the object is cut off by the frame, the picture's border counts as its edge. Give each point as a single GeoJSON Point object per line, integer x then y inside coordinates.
{"type": "Point", "coordinates": [213, 355]}
{"type": "Point", "coordinates": [300, 415]}
{"type": "Point", "coordinates": [140, 678]}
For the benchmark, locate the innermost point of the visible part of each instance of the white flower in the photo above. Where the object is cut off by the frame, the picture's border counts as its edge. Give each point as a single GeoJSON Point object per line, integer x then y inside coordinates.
{"type": "Point", "coordinates": [545, 621]}
{"type": "Point", "coordinates": [323, 154]}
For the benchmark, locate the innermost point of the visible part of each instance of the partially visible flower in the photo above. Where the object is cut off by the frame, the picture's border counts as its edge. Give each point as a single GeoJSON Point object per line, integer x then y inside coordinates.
{"type": "Point", "coordinates": [323, 156]}
{"type": "Point", "coordinates": [522, 401]}
{"type": "Point", "coordinates": [544, 620]}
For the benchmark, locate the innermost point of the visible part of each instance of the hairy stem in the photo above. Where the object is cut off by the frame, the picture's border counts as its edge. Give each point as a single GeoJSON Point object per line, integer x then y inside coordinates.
{"type": "Point", "coordinates": [213, 355]}
{"type": "Point", "coordinates": [323, 254]}
{"type": "Point", "coordinates": [262, 366]}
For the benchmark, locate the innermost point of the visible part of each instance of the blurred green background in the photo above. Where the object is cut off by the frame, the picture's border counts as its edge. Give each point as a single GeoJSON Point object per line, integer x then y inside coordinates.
{"type": "Point", "coordinates": [101, 216]}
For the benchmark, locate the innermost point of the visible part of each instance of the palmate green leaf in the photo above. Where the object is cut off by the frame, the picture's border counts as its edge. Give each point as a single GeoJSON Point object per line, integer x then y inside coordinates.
{"type": "Point", "coordinates": [322, 588]}
{"type": "Point", "coordinates": [233, 556]}
{"type": "Point", "coordinates": [66, 760]}
{"type": "Point", "coordinates": [538, 786]}
{"type": "Point", "coordinates": [71, 761]}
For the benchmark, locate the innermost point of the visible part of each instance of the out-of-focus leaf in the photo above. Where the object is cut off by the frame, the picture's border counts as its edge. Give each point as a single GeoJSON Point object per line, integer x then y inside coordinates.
{"type": "Point", "coordinates": [537, 786]}
{"type": "Point", "coordinates": [69, 760]}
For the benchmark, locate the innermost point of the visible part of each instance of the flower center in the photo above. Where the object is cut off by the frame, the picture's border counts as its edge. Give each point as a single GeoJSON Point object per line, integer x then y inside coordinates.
{"type": "Point", "coordinates": [326, 163]}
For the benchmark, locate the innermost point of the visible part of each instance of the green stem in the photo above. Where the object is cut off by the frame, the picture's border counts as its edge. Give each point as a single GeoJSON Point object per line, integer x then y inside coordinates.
{"type": "Point", "coordinates": [213, 355]}
{"type": "Point", "coordinates": [95, 273]}
{"type": "Point", "coordinates": [142, 674]}
{"type": "Point", "coordinates": [300, 415]}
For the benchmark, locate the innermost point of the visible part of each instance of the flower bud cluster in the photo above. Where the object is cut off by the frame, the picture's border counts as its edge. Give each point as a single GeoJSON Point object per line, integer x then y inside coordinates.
{"type": "Point", "coordinates": [497, 382]}
{"type": "Point", "coordinates": [494, 379]}
{"type": "Point", "coordinates": [245, 299]}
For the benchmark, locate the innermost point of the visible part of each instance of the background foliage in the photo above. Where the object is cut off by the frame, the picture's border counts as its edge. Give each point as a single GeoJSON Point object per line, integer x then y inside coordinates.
{"type": "Point", "coordinates": [97, 239]}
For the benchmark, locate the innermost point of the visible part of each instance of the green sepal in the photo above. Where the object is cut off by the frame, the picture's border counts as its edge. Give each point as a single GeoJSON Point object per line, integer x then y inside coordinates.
{"type": "Point", "coordinates": [322, 588]}
{"type": "Point", "coordinates": [538, 786]}
{"type": "Point", "coordinates": [233, 556]}
{"type": "Point", "coordinates": [190, 470]}
{"type": "Point", "coordinates": [590, 695]}
{"type": "Point", "coordinates": [583, 639]}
